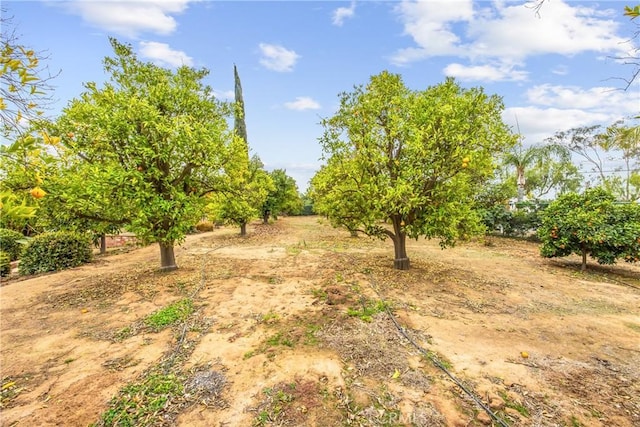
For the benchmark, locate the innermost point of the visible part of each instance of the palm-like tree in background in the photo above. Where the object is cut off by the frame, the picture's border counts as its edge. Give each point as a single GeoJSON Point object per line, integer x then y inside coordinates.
{"type": "Point", "coordinates": [522, 159]}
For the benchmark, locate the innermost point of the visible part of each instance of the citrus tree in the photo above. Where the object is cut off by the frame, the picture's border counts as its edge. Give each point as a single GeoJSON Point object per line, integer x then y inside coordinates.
{"type": "Point", "coordinates": [410, 159]}
{"type": "Point", "coordinates": [283, 196]}
{"type": "Point", "coordinates": [24, 80]}
{"type": "Point", "coordinates": [144, 149]}
{"type": "Point", "coordinates": [244, 195]}
{"type": "Point", "coordinates": [591, 224]}
{"type": "Point", "coordinates": [25, 165]}
{"type": "Point", "coordinates": [248, 184]}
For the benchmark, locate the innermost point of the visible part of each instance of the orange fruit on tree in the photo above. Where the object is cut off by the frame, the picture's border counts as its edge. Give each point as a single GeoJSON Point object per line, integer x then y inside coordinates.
{"type": "Point", "coordinates": [37, 193]}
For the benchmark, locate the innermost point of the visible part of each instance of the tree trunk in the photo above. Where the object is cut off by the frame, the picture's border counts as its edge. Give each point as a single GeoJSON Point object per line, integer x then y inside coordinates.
{"type": "Point", "coordinates": [401, 261]}
{"type": "Point", "coordinates": [243, 228]}
{"type": "Point", "coordinates": [265, 217]}
{"type": "Point", "coordinates": [103, 244]}
{"type": "Point", "coordinates": [167, 257]}
{"type": "Point", "coordinates": [521, 182]}
{"type": "Point", "coordinates": [584, 259]}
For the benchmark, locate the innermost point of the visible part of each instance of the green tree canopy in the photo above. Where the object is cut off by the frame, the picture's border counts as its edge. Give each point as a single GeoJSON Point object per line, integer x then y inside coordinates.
{"type": "Point", "coordinates": [539, 168]}
{"type": "Point", "coordinates": [592, 224]}
{"type": "Point", "coordinates": [283, 196]}
{"type": "Point", "coordinates": [414, 159]}
{"type": "Point", "coordinates": [24, 80]}
{"type": "Point", "coordinates": [612, 155]}
{"type": "Point", "coordinates": [143, 149]}
{"type": "Point", "coordinates": [247, 183]}
{"type": "Point", "coordinates": [25, 167]}
{"type": "Point", "coordinates": [244, 195]}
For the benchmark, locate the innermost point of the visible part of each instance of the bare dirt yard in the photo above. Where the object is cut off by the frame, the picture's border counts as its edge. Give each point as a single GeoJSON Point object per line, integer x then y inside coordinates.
{"type": "Point", "coordinates": [291, 326]}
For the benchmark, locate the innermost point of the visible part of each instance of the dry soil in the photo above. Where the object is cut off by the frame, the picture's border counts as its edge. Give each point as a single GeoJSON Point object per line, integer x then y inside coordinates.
{"type": "Point", "coordinates": [294, 325]}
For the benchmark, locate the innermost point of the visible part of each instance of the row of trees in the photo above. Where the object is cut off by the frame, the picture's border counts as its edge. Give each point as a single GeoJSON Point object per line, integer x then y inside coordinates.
{"type": "Point", "coordinates": [150, 151]}
{"type": "Point", "coordinates": [435, 163]}
{"type": "Point", "coordinates": [569, 160]}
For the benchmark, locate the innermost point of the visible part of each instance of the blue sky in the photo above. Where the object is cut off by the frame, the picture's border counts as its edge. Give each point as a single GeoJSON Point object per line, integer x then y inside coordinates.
{"type": "Point", "coordinates": [555, 70]}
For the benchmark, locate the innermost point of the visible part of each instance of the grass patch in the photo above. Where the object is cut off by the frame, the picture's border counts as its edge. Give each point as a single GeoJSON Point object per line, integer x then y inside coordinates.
{"type": "Point", "coordinates": [319, 294]}
{"type": "Point", "coordinates": [310, 337]}
{"type": "Point", "coordinates": [278, 400]}
{"type": "Point", "coordinates": [368, 309]}
{"type": "Point", "coordinates": [169, 315]}
{"type": "Point", "coordinates": [141, 403]}
{"type": "Point", "coordinates": [632, 326]}
{"type": "Point", "coordinates": [276, 340]}
{"type": "Point", "coordinates": [296, 249]}
{"type": "Point", "coordinates": [279, 339]}
{"type": "Point", "coordinates": [123, 334]}
{"type": "Point", "coordinates": [287, 404]}
{"type": "Point", "coordinates": [510, 403]}
{"type": "Point", "coordinates": [270, 318]}
{"type": "Point", "coordinates": [439, 359]}
{"type": "Point", "coordinates": [575, 422]}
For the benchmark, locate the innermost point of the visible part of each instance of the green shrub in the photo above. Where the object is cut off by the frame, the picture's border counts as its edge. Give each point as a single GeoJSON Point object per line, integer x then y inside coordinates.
{"type": "Point", "coordinates": [169, 315]}
{"type": "Point", "coordinates": [204, 226]}
{"type": "Point", "coordinates": [591, 224]}
{"type": "Point", "coordinates": [5, 264]}
{"type": "Point", "coordinates": [10, 243]}
{"type": "Point", "coordinates": [55, 251]}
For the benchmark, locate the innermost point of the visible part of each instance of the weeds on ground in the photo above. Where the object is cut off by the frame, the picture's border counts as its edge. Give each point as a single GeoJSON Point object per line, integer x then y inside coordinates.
{"type": "Point", "coordinates": [510, 403]}
{"type": "Point", "coordinates": [278, 400]}
{"type": "Point", "coordinates": [169, 315]}
{"type": "Point", "coordinates": [575, 422]}
{"type": "Point", "coordinates": [368, 309]}
{"type": "Point", "coordinates": [633, 326]}
{"type": "Point", "coordinates": [140, 403]}
{"type": "Point", "coordinates": [287, 403]}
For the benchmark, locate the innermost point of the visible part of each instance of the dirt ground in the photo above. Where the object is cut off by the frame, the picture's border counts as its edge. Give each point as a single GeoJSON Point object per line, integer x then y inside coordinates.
{"type": "Point", "coordinates": [291, 326]}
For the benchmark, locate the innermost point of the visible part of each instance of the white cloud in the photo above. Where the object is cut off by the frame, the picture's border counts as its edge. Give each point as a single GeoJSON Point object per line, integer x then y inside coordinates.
{"type": "Point", "coordinates": [515, 32]}
{"type": "Point", "coordinates": [604, 99]}
{"type": "Point", "coordinates": [430, 26]}
{"type": "Point", "coordinates": [302, 103]}
{"type": "Point", "coordinates": [130, 18]}
{"type": "Point", "coordinates": [342, 13]}
{"type": "Point", "coordinates": [485, 73]}
{"type": "Point", "coordinates": [162, 54]}
{"type": "Point", "coordinates": [556, 108]}
{"type": "Point", "coordinates": [224, 94]}
{"type": "Point", "coordinates": [277, 58]}
{"type": "Point", "coordinates": [561, 70]}
{"type": "Point", "coordinates": [504, 32]}
{"type": "Point", "coordinates": [537, 123]}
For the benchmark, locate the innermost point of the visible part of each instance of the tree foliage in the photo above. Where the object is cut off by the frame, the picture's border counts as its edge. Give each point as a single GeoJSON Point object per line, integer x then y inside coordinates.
{"type": "Point", "coordinates": [142, 150]}
{"type": "Point", "coordinates": [55, 251]}
{"type": "Point", "coordinates": [247, 183]}
{"type": "Point", "coordinates": [25, 166]}
{"type": "Point", "coordinates": [633, 57]}
{"type": "Point", "coordinates": [414, 159]}
{"type": "Point", "coordinates": [243, 198]}
{"type": "Point", "coordinates": [591, 224]}
{"type": "Point", "coordinates": [24, 81]}
{"type": "Point", "coordinates": [539, 168]}
{"type": "Point", "coordinates": [625, 140]}
{"type": "Point", "coordinates": [612, 155]}
{"type": "Point", "coordinates": [283, 196]}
